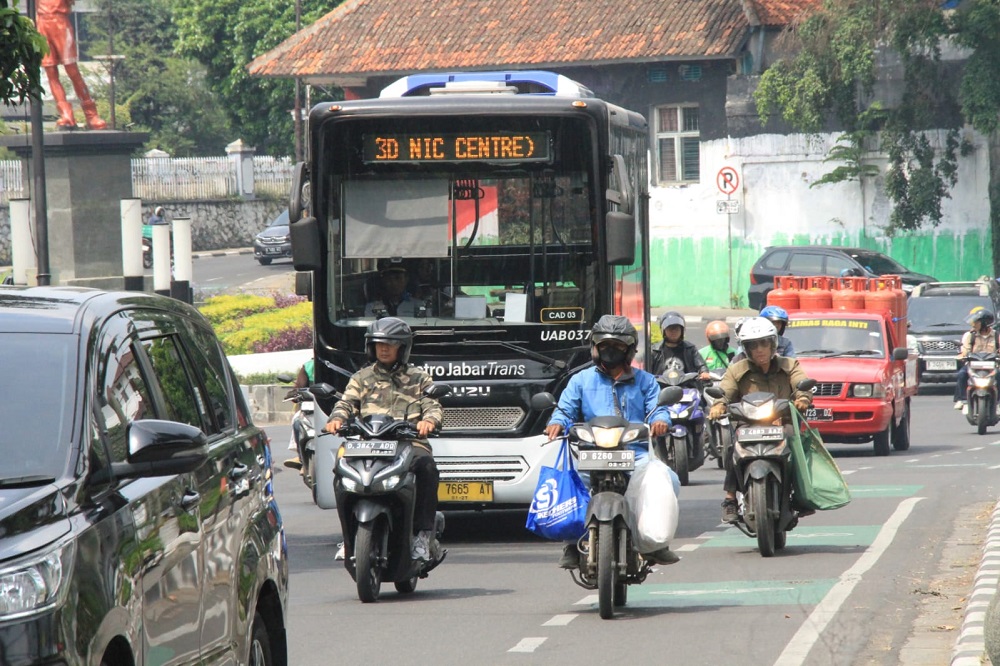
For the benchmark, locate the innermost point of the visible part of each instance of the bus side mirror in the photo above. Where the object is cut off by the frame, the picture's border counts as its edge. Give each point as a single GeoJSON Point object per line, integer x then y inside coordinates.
{"type": "Point", "coordinates": [305, 244]}
{"type": "Point", "coordinates": [620, 239]}
{"type": "Point", "coordinates": [298, 200]}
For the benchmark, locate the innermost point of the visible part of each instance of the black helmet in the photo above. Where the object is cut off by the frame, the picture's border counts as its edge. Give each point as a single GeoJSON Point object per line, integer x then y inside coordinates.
{"type": "Point", "coordinates": [390, 265]}
{"type": "Point", "coordinates": [614, 327]}
{"type": "Point", "coordinates": [983, 316]}
{"type": "Point", "coordinates": [391, 330]}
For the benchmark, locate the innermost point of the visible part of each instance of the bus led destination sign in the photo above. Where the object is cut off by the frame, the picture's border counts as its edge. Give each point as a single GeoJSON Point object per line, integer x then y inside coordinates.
{"type": "Point", "coordinates": [447, 147]}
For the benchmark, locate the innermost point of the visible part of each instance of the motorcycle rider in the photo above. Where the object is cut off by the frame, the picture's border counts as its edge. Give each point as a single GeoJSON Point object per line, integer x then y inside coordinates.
{"type": "Point", "coordinates": [391, 386]}
{"type": "Point", "coordinates": [981, 338]}
{"type": "Point", "coordinates": [717, 353]}
{"type": "Point", "coordinates": [779, 317]}
{"type": "Point", "coordinates": [303, 379]}
{"type": "Point", "coordinates": [763, 370]}
{"type": "Point", "coordinates": [676, 352]}
{"type": "Point", "coordinates": [612, 387]}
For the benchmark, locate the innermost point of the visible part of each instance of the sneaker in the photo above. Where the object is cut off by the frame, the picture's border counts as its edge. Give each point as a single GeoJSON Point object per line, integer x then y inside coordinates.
{"type": "Point", "coordinates": [730, 511]}
{"type": "Point", "coordinates": [570, 557]}
{"type": "Point", "coordinates": [293, 463]}
{"type": "Point", "coordinates": [662, 556]}
{"type": "Point", "coordinates": [959, 404]}
{"type": "Point", "coordinates": [965, 410]}
{"type": "Point", "coordinates": [340, 551]}
{"type": "Point", "coordinates": [421, 549]}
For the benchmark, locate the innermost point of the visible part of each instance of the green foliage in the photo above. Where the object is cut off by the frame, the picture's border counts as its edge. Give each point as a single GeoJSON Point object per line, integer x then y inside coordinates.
{"type": "Point", "coordinates": [244, 321]}
{"type": "Point", "coordinates": [225, 36]}
{"type": "Point", "coordinates": [832, 77]}
{"type": "Point", "coordinates": [21, 51]}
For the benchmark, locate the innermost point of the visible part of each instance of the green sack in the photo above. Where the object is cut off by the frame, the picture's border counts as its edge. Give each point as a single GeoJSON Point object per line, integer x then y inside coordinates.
{"type": "Point", "coordinates": [818, 483]}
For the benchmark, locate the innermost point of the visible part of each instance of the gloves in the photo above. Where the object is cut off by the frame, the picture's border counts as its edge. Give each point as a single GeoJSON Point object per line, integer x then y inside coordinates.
{"type": "Point", "coordinates": [718, 411]}
{"type": "Point", "coordinates": [802, 403]}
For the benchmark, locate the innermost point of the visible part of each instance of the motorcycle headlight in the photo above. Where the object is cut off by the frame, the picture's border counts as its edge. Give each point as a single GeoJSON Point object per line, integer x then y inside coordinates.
{"type": "Point", "coordinates": [350, 485]}
{"type": "Point", "coordinates": [584, 435]}
{"type": "Point", "coordinates": [631, 435]}
{"type": "Point", "coordinates": [390, 482]}
{"type": "Point", "coordinates": [764, 412]}
{"type": "Point", "coordinates": [982, 382]}
{"type": "Point", "coordinates": [607, 438]}
{"type": "Point", "coordinates": [34, 585]}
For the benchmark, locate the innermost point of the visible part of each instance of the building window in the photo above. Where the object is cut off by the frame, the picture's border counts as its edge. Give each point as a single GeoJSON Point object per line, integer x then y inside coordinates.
{"type": "Point", "coordinates": [677, 144]}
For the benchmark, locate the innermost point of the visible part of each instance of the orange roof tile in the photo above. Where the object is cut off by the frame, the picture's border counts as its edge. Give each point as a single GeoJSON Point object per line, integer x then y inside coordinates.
{"type": "Point", "coordinates": [782, 12]}
{"type": "Point", "coordinates": [387, 37]}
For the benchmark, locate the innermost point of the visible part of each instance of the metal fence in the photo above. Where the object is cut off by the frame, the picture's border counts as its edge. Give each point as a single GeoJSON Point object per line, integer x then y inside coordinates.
{"type": "Point", "coordinates": [179, 178]}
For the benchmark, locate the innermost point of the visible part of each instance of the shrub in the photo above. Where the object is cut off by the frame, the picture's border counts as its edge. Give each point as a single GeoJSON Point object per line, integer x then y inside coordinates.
{"type": "Point", "coordinates": [229, 307]}
{"type": "Point", "coordinates": [291, 338]}
{"type": "Point", "coordinates": [262, 327]}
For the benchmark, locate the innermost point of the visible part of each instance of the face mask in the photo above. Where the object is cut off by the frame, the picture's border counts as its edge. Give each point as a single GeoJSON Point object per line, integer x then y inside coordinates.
{"type": "Point", "coordinates": [720, 345]}
{"type": "Point", "coordinates": [611, 356]}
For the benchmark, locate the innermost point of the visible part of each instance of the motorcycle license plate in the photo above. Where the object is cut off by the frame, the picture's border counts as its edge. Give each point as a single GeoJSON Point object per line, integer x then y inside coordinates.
{"type": "Point", "coordinates": [819, 414]}
{"type": "Point", "coordinates": [369, 448]}
{"type": "Point", "coordinates": [945, 365]}
{"type": "Point", "coordinates": [617, 460]}
{"type": "Point", "coordinates": [465, 491]}
{"type": "Point", "coordinates": [757, 433]}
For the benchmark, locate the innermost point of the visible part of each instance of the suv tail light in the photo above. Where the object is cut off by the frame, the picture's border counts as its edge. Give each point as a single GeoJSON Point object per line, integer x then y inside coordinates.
{"type": "Point", "coordinates": [753, 280]}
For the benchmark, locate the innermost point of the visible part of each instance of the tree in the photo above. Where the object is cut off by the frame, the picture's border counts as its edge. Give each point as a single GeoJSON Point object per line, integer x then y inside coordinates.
{"type": "Point", "coordinates": [832, 78]}
{"type": "Point", "coordinates": [225, 36]}
{"type": "Point", "coordinates": [157, 91]}
{"type": "Point", "coordinates": [21, 51]}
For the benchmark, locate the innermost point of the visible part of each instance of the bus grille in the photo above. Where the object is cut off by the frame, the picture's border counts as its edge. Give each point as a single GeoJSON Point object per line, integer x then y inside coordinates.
{"type": "Point", "coordinates": [485, 468]}
{"type": "Point", "coordinates": [482, 418]}
{"type": "Point", "coordinates": [828, 389]}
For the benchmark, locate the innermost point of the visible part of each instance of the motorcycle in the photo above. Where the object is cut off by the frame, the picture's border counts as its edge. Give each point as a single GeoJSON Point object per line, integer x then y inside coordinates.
{"type": "Point", "coordinates": [684, 449]}
{"type": "Point", "coordinates": [719, 433]}
{"type": "Point", "coordinates": [609, 561]}
{"type": "Point", "coordinates": [982, 391]}
{"type": "Point", "coordinates": [763, 463]}
{"type": "Point", "coordinates": [375, 494]}
{"type": "Point", "coordinates": [303, 430]}
{"type": "Point", "coordinates": [147, 252]}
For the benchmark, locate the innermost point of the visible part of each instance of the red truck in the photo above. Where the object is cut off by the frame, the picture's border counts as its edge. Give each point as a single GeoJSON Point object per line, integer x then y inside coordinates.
{"type": "Point", "coordinates": [866, 376]}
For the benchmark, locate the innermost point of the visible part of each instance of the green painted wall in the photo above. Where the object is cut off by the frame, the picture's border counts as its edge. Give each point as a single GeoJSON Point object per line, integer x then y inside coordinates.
{"type": "Point", "coordinates": [695, 271]}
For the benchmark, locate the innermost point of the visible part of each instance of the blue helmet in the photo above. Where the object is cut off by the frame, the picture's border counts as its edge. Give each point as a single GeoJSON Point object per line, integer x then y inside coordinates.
{"type": "Point", "coordinates": [774, 313]}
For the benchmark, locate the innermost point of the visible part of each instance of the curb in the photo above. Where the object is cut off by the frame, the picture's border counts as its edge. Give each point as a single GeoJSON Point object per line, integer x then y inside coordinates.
{"type": "Point", "coordinates": [971, 645]}
{"type": "Point", "coordinates": [221, 253]}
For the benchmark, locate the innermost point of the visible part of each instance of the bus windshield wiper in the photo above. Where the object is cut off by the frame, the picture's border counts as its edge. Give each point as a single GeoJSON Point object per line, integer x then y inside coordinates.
{"type": "Point", "coordinates": [26, 481]}
{"type": "Point", "coordinates": [533, 355]}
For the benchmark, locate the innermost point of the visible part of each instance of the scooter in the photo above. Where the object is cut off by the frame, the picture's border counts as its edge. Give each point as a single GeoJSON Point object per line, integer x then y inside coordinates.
{"type": "Point", "coordinates": [376, 494]}
{"type": "Point", "coordinates": [684, 448]}
{"type": "Point", "coordinates": [304, 430]}
{"type": "Point", "coordinates": [763, 462]}
{"type": "Point", "coordinates": [609, 560]}
{"type": "Point", "coordinates": [719, 433]}
{"type": "Point", "coordinates": [982, 391]}
{"type": "Point", "coordinates": [147, 253]}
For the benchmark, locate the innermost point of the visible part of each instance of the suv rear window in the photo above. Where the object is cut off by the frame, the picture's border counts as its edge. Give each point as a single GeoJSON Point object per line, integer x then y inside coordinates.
{"type": "Point", "coordinates": [775, 260]}
{"type": "Point", "coordinates": [806, 263]}
{"type": "Point", "coordinates": [879, 264]}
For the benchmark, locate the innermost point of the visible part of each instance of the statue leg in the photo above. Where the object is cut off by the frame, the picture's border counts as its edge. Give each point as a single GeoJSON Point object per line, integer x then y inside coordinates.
{"type": "Point", "coordinates": [66, 118]}
{"type": "Point", "coordinates": [94, 121]}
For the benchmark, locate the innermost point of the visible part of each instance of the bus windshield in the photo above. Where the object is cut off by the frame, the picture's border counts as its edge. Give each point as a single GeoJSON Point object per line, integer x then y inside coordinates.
{"type": "Point", "coordinates": [432, 236]}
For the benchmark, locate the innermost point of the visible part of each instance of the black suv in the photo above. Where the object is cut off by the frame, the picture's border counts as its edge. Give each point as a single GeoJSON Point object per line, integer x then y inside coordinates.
{"type": "Point", "coordinates": [936, 313]}
{"type": "Point", "coordinates": [137, 518]}
{"type": "Point", "coordinates": [805, 260]}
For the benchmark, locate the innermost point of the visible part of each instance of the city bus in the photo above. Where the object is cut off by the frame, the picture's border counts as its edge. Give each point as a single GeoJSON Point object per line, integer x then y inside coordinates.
{"type": "Point", "coordinates": [516, 203]}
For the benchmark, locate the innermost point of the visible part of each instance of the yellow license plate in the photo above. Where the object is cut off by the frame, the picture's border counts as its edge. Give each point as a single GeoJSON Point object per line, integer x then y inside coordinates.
{"type": "Point", "coordinates": [465, 491]}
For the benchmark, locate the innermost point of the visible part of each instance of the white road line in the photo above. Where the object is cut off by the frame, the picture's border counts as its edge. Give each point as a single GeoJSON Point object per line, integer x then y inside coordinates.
{"type": "Point", "coordinates": [709, 535]}
{"type": "Point", "coordinates": [560, 620]}
{"type": "Point", "coordinates": [528, 644]}
{"type": "Point", "coordinates": [797, 650]}
{"type": "Point", "coordinates": [996, 443]}
{"type": "Point", "coordinates": [845, 472]}
{"type": "Point", "coordinates": [912, 460]}
{"type": "Point", "coordinates": [978, 448]}
{"type": "Point", "coordinates": [588, 600]}
{"type": "Point", "coordinates": [994, 467]}
{"type": "Point", "coordinates": [687, 548]}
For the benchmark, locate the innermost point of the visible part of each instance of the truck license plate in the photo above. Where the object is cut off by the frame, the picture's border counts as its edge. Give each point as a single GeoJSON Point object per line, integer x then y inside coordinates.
{"type": "Point", "coordinates": [465, 491]}
{"type": "Point", "coordinates": [819, 414]}
{"type": "Point", "coordinates": [945, 364]}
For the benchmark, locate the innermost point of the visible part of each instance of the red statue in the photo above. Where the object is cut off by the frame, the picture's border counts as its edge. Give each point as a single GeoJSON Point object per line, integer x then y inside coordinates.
{"type": "Point", "coordinates": [52, 20]}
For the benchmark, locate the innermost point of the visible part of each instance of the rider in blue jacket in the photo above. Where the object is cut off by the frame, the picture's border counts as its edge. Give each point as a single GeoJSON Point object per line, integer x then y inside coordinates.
{"type": "Point", "coordinates": [612, 387]}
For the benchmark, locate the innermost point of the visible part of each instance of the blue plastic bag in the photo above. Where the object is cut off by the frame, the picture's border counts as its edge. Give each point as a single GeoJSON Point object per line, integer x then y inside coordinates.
{"type": "Point", "coordinates": [559, 508]}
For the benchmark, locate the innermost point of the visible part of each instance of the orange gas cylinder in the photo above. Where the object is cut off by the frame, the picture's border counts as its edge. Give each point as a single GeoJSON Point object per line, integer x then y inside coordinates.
{"type": "Point", "coordinates": [849, 293]}
{"type": "Point", "coordinates": [785, 293]}
{"type": "Point", "coordinates": [882, 297]}
{"type": "Point", "coordinates": [816, 294]}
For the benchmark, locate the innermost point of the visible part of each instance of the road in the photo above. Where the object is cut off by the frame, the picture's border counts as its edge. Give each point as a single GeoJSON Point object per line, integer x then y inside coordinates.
{"type": "Point", "coordinates": [880, 581]}
{"type": "Point", "coordinates": [213, 275]}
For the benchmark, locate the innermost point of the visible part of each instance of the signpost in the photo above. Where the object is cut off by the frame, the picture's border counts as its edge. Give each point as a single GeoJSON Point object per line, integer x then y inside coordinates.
{"type": "Point", "coordinates": [728, 181]}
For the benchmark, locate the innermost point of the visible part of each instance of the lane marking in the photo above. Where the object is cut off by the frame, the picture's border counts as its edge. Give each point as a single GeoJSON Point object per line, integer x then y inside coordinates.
{"type": "Point", "coordinates": [560, 620]}
{"type": "Point", "coordinates": [912, 460]}
{"type": "Point", "coordinates": [994, 467]}
{"type": "Point", "coordinates": [978, 448]}
{"type": "Point", "coordinates": [528, 644]}
{"type": "Point", "coordinates": [797, 650]}
{"type": "Point", "coordinates": [845, 472]}
{"type": "Point", "coordinates": [588, 600]}
{"type": "Point", "coordinates": [687, 548]}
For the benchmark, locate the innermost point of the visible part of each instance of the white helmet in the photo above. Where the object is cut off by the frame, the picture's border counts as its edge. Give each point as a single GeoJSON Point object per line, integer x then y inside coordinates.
{"type": "Point", "coordinates": [758, 329]}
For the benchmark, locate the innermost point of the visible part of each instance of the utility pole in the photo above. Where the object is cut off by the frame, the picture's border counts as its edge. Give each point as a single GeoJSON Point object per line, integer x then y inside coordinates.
{"type": "Point", "coordinates": [43, 276]}
{"type": "Point", "coordinates": [298, 95]}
